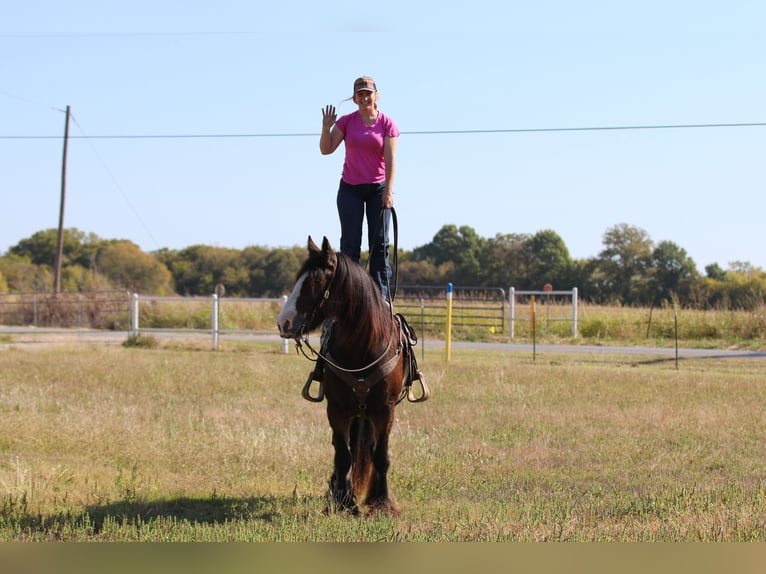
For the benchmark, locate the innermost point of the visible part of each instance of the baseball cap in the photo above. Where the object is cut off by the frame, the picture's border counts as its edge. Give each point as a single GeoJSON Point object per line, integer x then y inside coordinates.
{"type": "Point", "coordinates": [365, 83]}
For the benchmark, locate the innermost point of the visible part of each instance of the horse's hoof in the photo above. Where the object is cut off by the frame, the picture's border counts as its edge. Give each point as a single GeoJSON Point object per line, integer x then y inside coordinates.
{"type": "Point", "coordinates": [336, 509]}
{"type": "Point", "coordinates": [387, 509]}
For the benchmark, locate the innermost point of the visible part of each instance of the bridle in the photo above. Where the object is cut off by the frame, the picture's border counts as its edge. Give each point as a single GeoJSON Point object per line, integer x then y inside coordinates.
{"type": "Point", "coordinates": [360, 384]}
{"type": "Point", "coordinates": [321, 300]}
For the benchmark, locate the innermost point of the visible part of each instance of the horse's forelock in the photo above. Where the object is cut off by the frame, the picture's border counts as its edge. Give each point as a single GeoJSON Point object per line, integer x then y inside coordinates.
{"type": "Point", "coordinates": [303, 269]}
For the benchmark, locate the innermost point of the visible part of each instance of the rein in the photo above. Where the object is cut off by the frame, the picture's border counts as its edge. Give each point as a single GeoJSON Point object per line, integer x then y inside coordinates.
{"type": "Point", "coordinates": [327, 359]}
{"type": "Point", "coordinates": [361, 385]}
{"type": "Point", "coordinates": [395, 267]}
{"type": "Point", "coordinates": [394, 220]}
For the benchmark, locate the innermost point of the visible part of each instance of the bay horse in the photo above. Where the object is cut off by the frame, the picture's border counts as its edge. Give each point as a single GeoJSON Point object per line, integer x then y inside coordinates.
{"type": "Point", "coordinates": [366, 374]}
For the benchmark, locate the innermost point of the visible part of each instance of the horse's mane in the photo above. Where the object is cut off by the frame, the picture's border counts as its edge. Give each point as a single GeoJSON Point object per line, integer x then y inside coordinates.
{"type": "Point", "coordinates": [361, 302]}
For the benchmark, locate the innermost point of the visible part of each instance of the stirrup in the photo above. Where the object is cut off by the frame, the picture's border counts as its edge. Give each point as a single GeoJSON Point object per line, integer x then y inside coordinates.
{"type": "Point", "coordinates": [306, 392]}
{"type": "Point", "coordinates": [411, 397]}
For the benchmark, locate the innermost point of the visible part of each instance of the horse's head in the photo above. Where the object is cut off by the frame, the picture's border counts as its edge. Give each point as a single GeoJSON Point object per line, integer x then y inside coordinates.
{"type": "Point", "coordinates": [304, 309]}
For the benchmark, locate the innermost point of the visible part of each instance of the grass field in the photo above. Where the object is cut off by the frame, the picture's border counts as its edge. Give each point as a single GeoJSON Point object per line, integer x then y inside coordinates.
{"type": "Point", "coordinates": [175, 443]}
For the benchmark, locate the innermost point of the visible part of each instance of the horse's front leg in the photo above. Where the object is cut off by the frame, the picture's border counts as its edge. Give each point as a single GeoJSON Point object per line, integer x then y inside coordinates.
{"type": "Point", "coordinates": [379, 499]}
{"type": "Point", "coordinates": [341, 491]}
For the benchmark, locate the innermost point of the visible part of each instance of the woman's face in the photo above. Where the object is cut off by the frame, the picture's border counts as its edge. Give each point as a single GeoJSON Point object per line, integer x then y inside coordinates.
{"type": "Point", "coordinates": [365, 99]}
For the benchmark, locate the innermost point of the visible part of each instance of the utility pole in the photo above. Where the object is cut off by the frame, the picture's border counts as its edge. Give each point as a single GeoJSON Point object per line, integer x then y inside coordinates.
{"type": "Point", "coordinates": [60, 242]}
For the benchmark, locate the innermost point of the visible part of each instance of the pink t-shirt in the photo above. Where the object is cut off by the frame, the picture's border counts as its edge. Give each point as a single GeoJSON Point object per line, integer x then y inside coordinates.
{"type": "Point", "coordinates": [365, 161]}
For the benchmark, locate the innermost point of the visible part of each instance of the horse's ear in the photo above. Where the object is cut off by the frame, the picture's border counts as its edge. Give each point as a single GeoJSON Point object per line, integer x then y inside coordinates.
{"type": "Point", "coordinates": [313, 247]}
{"type": "Point", "coordinates": [328, 252]}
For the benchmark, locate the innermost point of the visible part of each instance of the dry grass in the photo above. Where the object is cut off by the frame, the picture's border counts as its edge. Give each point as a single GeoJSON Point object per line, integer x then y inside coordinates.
{"type": "Point", "coordinates": [113, 443]}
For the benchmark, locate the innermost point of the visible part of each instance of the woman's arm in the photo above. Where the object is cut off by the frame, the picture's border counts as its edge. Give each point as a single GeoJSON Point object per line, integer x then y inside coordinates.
{"type": "Point", "coordinates": [331, 135]}
{"type": "Point", "coordinates": [389, 154]}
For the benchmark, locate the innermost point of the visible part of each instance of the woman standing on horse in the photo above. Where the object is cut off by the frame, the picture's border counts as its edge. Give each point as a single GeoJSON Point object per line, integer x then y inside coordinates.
{"type": "Point", "coordinates": [367, 181]}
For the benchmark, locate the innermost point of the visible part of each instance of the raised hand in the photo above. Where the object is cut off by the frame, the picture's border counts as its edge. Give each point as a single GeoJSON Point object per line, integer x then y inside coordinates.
{"type": "Point", "coordinates": [328, 117]}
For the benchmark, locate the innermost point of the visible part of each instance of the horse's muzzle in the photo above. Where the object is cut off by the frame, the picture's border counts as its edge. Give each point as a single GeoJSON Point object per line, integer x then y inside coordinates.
{"type": "Point", "coordinates": [290, 329]}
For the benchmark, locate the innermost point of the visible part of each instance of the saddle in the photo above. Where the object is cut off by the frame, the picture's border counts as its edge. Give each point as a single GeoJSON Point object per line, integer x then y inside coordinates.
{"type": "Point", "coordinates": [362, 382]}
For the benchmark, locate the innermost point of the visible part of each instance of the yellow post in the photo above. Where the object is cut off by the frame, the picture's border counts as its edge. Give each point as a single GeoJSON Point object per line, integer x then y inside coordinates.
{"type": "Point", "coordinates": [448, 338]}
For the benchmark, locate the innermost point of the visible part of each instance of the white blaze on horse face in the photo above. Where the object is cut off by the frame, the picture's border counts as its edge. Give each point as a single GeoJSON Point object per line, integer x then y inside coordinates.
{"type": "Point", "coordinates": [286, 319]}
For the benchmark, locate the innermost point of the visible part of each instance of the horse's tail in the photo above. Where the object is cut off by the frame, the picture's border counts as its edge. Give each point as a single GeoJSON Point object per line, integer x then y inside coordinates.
{"type": "Point", "coordinates": [362, 446]}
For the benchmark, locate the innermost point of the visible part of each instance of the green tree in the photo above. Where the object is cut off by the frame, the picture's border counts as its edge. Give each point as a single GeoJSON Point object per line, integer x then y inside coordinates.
{"type": "Point", "coordinates": [715, 271]}
{"type": "Point", "coordinates": [461, 246]}
{"type": "Point", "coordinates": [504, 262]}
{"type": "Point", "coordinates": [673, 272]}
{"type": "Point", "coordinates": [744, 268]}
{"type": "Point", "coordinates": [275, 274]}
{"type": "Point", "coordinates": [76, 278]}
{"type": "Point", "coordinates": [548, 259]}
{"type": "Point", "coordinates": [254, 262]}
{"type": "Point", "coordinates": [196, 270]}
{"type": "Point", "coordinates": [78, 247]}
{"type": "Point", "coordinates": [581, 275]}
{"type": "Point", "coordinates": [623, 264]}
{"type": "Point", "coordinates": [424, 273]}
{"type": "Point", "coordinates": [23, 276]}
{"type": "Point", "coordinates": [124, 264]}
{"type": "Point", "coordinates": [741, 287]}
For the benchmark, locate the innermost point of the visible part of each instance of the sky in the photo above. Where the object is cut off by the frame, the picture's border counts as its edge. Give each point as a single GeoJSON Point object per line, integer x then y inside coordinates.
{"type": "Point", "coordinates": [197, 122]}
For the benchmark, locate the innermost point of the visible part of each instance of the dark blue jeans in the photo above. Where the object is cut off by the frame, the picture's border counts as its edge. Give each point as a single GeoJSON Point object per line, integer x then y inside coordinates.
{"type": "Point", "coordinates": [354, 202]}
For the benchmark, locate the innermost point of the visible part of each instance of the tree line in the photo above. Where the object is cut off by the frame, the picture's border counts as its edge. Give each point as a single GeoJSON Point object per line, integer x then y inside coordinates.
{"type": "Point", "coordinates": [631, 269]}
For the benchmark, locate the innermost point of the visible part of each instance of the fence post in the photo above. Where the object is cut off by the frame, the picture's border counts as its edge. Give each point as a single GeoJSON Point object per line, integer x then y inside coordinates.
{"type": "Point", "coordinates": [284, 341]}
{"type": "Point", "coordinates": [134, 315]}
{"type": "Point", "coordinates": [574, 312]}
{"type": "Point", "coordinates": [533, 321]}
{"type": "Point", "coordinates": [423, 329]}
{"type": "Point", "coordinates": [512, 305]}
{"type": "Point", "coordinates": [502, 309]}
{"type": "Point", "coordinates": [214, 321]}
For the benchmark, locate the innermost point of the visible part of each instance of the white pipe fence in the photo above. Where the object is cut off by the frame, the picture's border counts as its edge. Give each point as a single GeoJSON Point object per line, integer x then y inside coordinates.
{"type": "Point", "coordinates": [215, 312]}
{"type": "Point", "coordinates": [215, 307]}
{"type": "Point", "coordinates": [512, 293]}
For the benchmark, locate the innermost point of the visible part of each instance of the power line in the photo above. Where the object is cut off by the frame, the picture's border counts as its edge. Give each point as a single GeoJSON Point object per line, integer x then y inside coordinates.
{"type": "Point", "coordinates": [416, 132]}
{"type": "Point", "coordinates": [592, 129]}
{"type": "Point", "coordinates": [97, 35]}
{"type": "Point", "coordinates": [167, 136]}
{"type": "Point", "coordinates": [30, 101]}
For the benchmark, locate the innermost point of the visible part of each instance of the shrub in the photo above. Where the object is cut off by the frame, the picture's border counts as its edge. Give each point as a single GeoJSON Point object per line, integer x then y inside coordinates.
{"type": "Point", "coordinates": [140, 342]}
